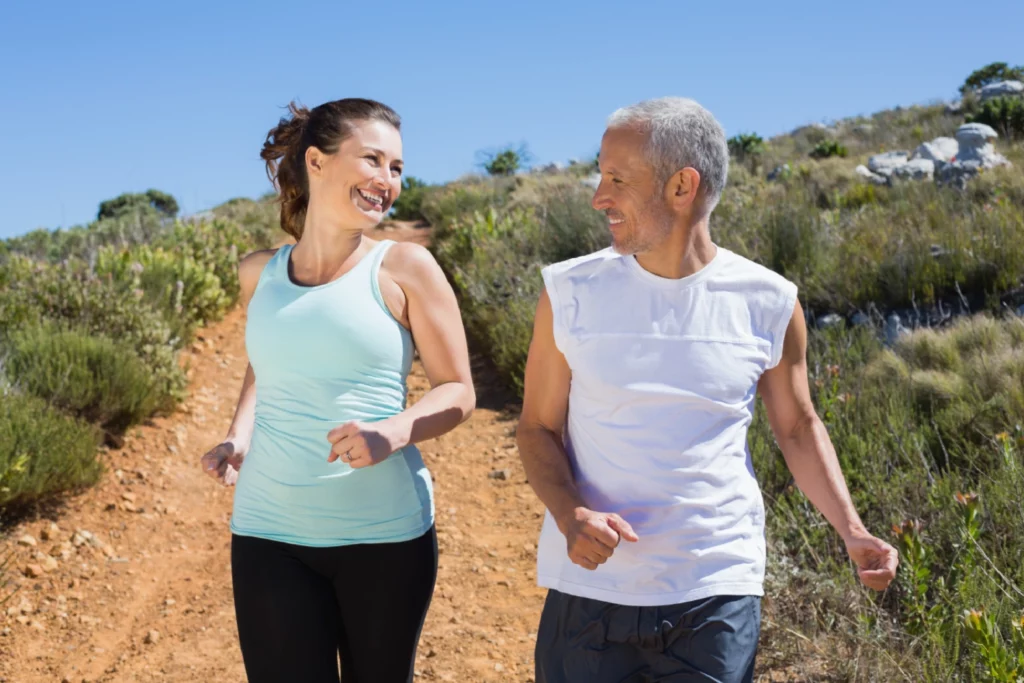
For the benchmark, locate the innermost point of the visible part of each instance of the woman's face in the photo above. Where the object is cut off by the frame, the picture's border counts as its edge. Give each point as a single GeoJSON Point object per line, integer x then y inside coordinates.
{"type": "Point", "coordinates": [357, 185]}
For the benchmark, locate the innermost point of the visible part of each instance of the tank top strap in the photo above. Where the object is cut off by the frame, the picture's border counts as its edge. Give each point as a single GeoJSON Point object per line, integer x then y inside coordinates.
{"type": "Point", "coordinates": [275, 268]}
{"type": "Point", "coordinates": [376, 258]}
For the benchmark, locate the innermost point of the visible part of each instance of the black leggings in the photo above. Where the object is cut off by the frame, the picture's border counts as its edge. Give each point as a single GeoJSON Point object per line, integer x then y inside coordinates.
{"type": "Point", "coordinates": [299, 608]}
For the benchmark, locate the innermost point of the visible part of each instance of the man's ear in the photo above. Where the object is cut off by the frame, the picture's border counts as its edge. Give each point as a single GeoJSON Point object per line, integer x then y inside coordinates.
{"type": "Point", "coordinates": [682, 188]}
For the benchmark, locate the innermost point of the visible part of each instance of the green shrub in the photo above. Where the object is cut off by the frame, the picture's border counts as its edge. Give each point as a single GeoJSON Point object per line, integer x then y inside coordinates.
{"type": "Point", "coordinates": [258, 219]}
{"type": "Point", "coordinates": [445, 205]}
{"type": "Point", "coordinates": [42, 451]}
{"type": "Point", "coordinates": [82, 242]}
{"type": "Point", "coordinates": [72, 297]}
{"type": "Point", "coordinates": [187, 292]}
{"type": "Point", "coordinates": [1004, 114]}
{"type": "Point", "coordinates": [828, 148]}
{"type": "Point", "coordinates": [746, 147]}
{"type": "Point", "coordinates": [504, 163]}
{"type": "Point", "coordinates": [409, 205]}
{"type": "Point", "coordinates": [95, 378]}
{"type": "Point", "coordinates": [219, 244]}
{"type": "Point", "coordinates": [992, 73]}
{"type": "Point", "coordinates": [131, 202]}
{"type": "Point", "coordinates": [494, 259]}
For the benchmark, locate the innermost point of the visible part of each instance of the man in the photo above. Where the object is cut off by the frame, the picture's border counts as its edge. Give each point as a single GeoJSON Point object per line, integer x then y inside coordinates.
{"type": "Point", "coordinates": [643, 370]}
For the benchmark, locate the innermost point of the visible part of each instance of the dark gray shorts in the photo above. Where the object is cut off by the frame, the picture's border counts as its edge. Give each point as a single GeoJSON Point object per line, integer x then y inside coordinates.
{"type": "Point", "coordinates": [713, 640]}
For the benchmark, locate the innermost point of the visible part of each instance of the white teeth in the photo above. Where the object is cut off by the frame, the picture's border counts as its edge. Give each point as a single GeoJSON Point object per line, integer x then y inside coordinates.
{"type": "Point", "coordinates": [372, 198]}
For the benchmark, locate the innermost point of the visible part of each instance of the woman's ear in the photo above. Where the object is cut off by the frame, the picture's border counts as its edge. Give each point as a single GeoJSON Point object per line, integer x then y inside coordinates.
{"type": "Point", "coordinates": [314, 161]}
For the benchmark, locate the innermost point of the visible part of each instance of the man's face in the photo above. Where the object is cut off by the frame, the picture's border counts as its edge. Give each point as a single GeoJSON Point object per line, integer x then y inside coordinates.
{"type": "Point", "coordinates": [630, 194]}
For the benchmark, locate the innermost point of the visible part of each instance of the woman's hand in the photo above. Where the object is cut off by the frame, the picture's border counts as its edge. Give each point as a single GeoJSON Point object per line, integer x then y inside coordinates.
{"type": "Point", "coordinates": [223, 461]}
{"type": "Point", "coordinates": [361, 444]}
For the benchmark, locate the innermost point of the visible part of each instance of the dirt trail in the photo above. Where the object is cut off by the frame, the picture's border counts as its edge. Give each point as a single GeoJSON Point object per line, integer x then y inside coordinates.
{"type": "Point", "coordinates": [145, 595]}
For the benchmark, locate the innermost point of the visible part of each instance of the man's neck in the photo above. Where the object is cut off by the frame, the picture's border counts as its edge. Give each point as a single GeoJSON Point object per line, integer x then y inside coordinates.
{"type": "Point", "coordinates": [685, 251]}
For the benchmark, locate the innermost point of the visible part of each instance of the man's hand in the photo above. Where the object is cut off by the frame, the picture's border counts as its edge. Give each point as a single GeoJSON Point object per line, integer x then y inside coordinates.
{"type": "Point", "coordinates": [361, 444]}
{"type": "Point", "coordinates": [876, 560]}
{"type": "Point", "coordinates": [591, 537]}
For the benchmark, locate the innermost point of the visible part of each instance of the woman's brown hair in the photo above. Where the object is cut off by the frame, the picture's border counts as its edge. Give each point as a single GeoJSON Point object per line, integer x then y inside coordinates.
{"type": "Point", "coordinates": [323, 127]}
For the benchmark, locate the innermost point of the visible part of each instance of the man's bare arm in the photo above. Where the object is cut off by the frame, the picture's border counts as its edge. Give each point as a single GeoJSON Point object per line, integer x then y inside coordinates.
{"type": "Point", "coordinates": [811, 457]}
{"type": "Point", "coordinates": [591, 536]}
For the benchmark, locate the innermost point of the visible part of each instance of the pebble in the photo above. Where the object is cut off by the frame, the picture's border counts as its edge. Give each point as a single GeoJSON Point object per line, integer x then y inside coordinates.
{"type": "Point", "coordinates": [33, 571]}
{"type": "Point", "coordinates": [27, 540]}
{"type": "Point", "coordinates": [50, 533]}
{"type": "Point", "coordinates": [152, 637]}
{"type": "Point", "coordinates": [81, 537]}
{"type": "Point", "coordinates": [501, 475]}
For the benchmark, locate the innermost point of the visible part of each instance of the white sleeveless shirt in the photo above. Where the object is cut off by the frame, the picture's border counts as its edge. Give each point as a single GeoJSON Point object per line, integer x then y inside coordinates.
{"type": "Point", "coordinates": [664, 379]}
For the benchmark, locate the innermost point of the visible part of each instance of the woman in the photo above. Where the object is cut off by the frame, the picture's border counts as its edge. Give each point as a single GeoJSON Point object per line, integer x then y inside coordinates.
{"type": "Point", "coordinates": [333, 548]}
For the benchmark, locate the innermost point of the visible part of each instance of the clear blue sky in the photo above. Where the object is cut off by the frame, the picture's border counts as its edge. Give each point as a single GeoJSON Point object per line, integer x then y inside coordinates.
{"type": "Point", "coordinates": [100, 98]}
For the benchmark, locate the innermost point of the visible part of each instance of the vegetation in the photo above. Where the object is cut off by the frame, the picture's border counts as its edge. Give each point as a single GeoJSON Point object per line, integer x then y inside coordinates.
{"type": "Point", "coordinates": [129, 203]}
{"type": "Point", "coordinates": [94, 318]}
{"type": "Point", "coordinates": [409, 205]}
{"type": "Point", "coordinates": [828, 148]}
{"type": "Point", "coordinates": [506, 161]}
{"type": "Point", "coordinates": [1004, 114]}
{"type": "Point", "coordinates": [992, 73]}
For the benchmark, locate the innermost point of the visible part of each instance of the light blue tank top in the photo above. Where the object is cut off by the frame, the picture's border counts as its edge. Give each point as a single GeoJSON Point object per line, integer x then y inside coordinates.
{"type": "Point", "coordinates": [324, 355]}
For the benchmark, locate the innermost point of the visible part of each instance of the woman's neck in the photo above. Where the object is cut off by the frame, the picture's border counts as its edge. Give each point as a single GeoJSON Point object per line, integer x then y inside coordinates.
{"type": "Point", "coordinates": [324, 248]}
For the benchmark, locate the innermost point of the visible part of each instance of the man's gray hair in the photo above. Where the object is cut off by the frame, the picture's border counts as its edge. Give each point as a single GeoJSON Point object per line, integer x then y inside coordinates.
{"type": "Point", "coordinates": [680, 133]}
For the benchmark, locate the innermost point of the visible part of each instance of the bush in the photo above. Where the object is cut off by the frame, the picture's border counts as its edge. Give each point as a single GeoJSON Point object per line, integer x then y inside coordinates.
{"type": "Point", "coordinates": [218, 244]}
{"type": "Point", "coordinates": [72, 297]}
{"type": "Point", "coordinates": [828, 148]}
{"type": "Point", "coordinates": [42, 451]}
{"type": "Point", "coordinates": [83, 241]}
{"type": "Point", "coordinates": [187, 292]}
{"type": "Point", "coordinates": [129, 203]}
{"type": "Point", "coordinates": [992, 73]}
{"type": "Point", "coordinates": [95, 378]}
{"type": "Point", "coordinates": [506, 161]}
{"type": "Point", "coordinates": [1004, 114]}
{"type": "Point", "coordinates": [746, 146]}
{"type": "Point", "coordinates": [495, 257]}
{"type": "Point", "coordinates": [445, 205]}
{"type": "Point", "coordinates": [409, 205]}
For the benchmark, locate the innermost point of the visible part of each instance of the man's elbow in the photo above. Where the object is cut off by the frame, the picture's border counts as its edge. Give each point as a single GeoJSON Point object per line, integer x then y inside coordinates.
{"type": "Point", "coordinates": [803, 429]}
{"type": "Point", "coordinates": [529, 432]}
